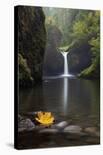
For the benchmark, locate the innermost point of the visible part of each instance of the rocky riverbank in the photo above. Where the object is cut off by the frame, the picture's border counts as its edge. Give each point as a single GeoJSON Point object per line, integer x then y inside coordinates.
{"type": "Point", "coordinates": [62, 133]}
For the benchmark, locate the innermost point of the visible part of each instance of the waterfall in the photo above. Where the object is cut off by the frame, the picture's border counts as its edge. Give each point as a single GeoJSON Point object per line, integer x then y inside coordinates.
{"type": "Point", "coordinates": [66, 71]}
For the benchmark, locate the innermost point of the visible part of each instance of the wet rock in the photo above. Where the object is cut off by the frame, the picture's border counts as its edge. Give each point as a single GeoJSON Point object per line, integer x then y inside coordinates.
{"type": "Point", "coordinates": [20, 118]}
{"type": "Point", "coordinates": [73, 129]}
{"type": "Point", "coordinates": [33, 113]}
{"type": "Point", "coordinates": [62, 124]}
{"type": "Point", "coordinates": [83, 134]}
{"type": "Point", "coordinates": [31, 24]}
{"type": "Point", "coordinates": [21, 129]}
{"type": "Point", "coordinates": [46, 81]}
{"type": "Point", "coordinates": [93, 140]}
{"type": "Point", "coordinates": [48, 131]}
{"type": "Point", "coordinates": [39, 127]}
{"type": "Point", "coordinates": [97, 134]}
{"type": "Point", "coordinates": [25, 124]}
{"type": "Point", "coordinates": [92, 131]}
{"type": "Point", "coordinates": [72, 136]}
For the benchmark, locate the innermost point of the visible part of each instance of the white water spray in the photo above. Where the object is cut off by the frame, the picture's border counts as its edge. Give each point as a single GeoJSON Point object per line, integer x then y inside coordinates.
{"type": "Point", "coordinates": [66, 71]}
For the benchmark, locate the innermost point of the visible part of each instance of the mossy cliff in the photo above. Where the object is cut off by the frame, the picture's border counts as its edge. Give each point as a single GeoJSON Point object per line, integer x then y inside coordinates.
{"type": "Point", "coordinates": [31, 44]}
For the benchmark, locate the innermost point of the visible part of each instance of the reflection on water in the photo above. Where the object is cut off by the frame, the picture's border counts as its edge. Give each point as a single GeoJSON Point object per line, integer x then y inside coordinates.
{"type": "Point", "coordinates": [64, 97]}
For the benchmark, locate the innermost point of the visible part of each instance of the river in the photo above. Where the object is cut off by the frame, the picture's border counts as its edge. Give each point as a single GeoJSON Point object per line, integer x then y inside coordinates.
{"type": "Point", "coordinates": [74, 100]}
{"type": "Point", "coordinates": [77, 99]}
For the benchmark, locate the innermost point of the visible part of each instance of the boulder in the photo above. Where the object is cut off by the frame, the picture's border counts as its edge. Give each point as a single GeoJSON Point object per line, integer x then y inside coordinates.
{"type": "Point", "coordinates": [72, 136]}
{"type": "Point", "coordinates": [92, 131]}
{"type": "Point", "coordinates": [26, 124]}
{"type": "Point", "coordinates": [73, 129]}
{"type": "Point", "coordinates": [20, 117]}
{"type": "Point", "coordinates": [48, 131]}
{"type": "Point", "coordinates": [62, 124]}
{"type": "Point", "coordinates": [93, 140]}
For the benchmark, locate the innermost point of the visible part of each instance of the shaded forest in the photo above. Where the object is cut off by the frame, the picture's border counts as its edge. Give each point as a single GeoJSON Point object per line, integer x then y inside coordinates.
{"type": "Point", "coordinates": [41, 31]}
{"type": "Point", "coordinates": [77, 32]}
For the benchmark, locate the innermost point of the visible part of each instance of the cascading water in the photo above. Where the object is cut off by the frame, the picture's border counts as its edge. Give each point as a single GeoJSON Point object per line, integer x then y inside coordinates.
{"type": "Point", "coordinates": [66, 71]}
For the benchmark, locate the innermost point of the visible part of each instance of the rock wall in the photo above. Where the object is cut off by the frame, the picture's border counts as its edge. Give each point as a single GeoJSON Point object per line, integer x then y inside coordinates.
{"type": "Point", "coordinates": [53, 60]}
{"type": "Point", "coordinates": [31, 40]}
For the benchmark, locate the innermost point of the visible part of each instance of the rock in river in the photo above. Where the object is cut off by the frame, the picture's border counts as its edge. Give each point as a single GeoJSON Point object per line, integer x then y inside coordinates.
{"type": "Point", "coordinates": [73, 129]}
{"type": "Point", "coordinates": [20, 118]}
{"type": "Point", "coordinates": [48, 131]}
{"type": "Point", "coordinates": [26, 124]}
{"type": "Point", "coordinates": [92, 131]}
{"type": "Point", "coordinates": [62, 124]}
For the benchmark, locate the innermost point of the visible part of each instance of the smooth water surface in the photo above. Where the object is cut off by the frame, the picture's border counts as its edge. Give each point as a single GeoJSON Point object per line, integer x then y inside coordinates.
{"type": "Point", "coordinates": [75, 99]}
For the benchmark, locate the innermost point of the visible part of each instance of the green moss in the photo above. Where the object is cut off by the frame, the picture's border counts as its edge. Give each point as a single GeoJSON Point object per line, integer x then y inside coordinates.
{"type": "Point", "coordinates": [24, 72]}
{"type": "Point", "coordinates": [64, 48]}
{"type": "Point", "coordinates": [32, 40]}
{"type": "Point", "coordinates": [90, 72]}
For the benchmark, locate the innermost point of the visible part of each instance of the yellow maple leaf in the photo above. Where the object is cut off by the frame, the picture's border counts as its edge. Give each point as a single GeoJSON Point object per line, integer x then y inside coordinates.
{"type": "Point", "coordinates": [45, 118]}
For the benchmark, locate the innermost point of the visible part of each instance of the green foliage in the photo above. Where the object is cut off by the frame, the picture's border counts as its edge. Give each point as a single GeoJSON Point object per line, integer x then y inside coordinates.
{"type": "Point", "coordinates": [24, 70]}
{"type": "Point", "coordinates": [63, 19]}
{"type": "Point", "coordinates": [95, 48]}
{"type": "Point", "coordinates": [81, 34]}
{"type": "Point", "coordinates": [64, 48]}
{"type": "Point", "coordinates": [91, 72]}
{"type": "Point", "coordinates": [94, 69]}
{"type": "Point", "coordinates": [86, 29]}
{"type": "Point", "coordinates": [80, 29]}
{"type": "Point", "coordinates": [87, 25]}
{"type": "Point", "coordinates": [32, 40]}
